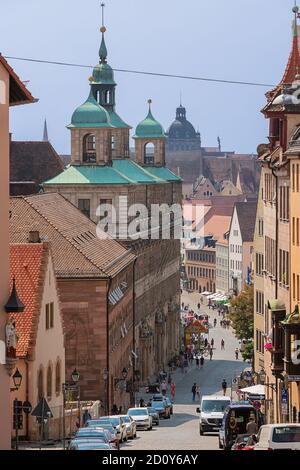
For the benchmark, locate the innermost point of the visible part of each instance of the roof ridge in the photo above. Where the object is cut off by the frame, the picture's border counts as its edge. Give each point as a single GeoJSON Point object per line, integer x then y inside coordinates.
{"type": "Point", "coordinates": [65, 237]}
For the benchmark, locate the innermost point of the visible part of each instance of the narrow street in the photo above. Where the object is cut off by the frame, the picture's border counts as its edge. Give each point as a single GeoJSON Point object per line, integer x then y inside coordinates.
{"type": "Point", "coordinates": [182, 430]}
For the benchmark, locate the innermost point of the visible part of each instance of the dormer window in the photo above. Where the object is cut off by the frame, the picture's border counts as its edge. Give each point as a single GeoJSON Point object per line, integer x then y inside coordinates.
{"type": "Point", "coordinates": [89, 148]}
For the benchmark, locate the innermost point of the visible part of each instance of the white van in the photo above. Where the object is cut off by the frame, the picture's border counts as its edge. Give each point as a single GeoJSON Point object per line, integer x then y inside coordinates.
{"type": "Point", "coordinates": [278, 436]}
{"type": "Point", "coordinates": [211, 412]}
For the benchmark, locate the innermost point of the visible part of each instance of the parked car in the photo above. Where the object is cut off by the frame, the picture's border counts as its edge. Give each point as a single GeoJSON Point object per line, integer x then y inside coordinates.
{"type": "Point", "coordinates": [278, 436]}
{"type": "Point", "coordinates": [235, 421]}
{"type": "Point", "coordinates": [94, 423]}
{"type": "Point", "coordinates": [162, 408]}
{"type": "Point", "coordinates": [211, 411]}
{"type": "Point", "coordinates": [168, 400]}
{"type": "Point", "coordinates": [141, 417]}
{"type": "Point", "coordinates": [130, 426]}
{"type": "Point", "coordinates": [117, 424]}
{"type": "Point", "coordinates": [106, 435]}
{"type": "Point", "coordinates": [157, 397]}
{"type": "Point", "coordinates": [89, 444]}
{"type": "Point", "coordinates": [154, 415]}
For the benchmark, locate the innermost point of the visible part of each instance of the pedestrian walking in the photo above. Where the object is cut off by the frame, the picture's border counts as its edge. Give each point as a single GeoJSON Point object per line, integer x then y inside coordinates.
{"type": "Point", "coordinates": [211, 354]}
{"type": "Point", "coordinates": [197, 362]}
{"type": "Point", "coordinates": [215, 323]}
{"type": "Point", "coordinates": [205, 342]}
{"type": "Point", "coordinates": [164, 388]}
{"type": "Point", "coordinates": [212, 342]}
{"type": "Point", "coordinates": [236, 353]}
{"type": "Point", "coordinates": [194, 391]}
{"type": "Point", "coordinates": [173, 391]}
{"type": "Point", "coordinates": [224, 387]}
{"type": "Point", "coordinates": [198, 392]}
{"type": "Point", "coordinates": [169, 379]}
{"type": "Point", "coordinates": [222, 344]}
{"type": "Point", "coordinates": [201, 361]}
{"type": "Point", "coordinates": [251, 427]}
{"type": "Point", "coordinates": [185, 365]}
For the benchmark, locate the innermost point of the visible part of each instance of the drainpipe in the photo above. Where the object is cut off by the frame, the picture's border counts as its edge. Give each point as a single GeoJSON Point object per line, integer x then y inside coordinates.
{"type": "Point", "coordinates": [133, 331]}
{"type": "Point", "coordinates": [27, 399]}
{"type": "Point", "coordinates": [107, 348]}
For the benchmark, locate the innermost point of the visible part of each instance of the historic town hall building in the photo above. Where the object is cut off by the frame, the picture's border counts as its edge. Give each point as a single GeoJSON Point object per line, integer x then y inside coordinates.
{"type": "Point", "coordinates": [99, 173]}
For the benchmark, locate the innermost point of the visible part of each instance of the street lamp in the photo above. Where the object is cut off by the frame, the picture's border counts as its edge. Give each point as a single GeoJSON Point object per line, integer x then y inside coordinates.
{"type": "Point", "coordinates": [17, 378]}
{"type": "Point", "coordinates": [70, 387]}
{"type": "Point", "coordinates": [75, 376]}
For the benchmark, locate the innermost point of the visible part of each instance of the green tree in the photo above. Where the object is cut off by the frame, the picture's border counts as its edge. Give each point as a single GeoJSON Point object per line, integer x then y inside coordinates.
{"type": "Point", "coordinates": [248, 352]}
{"type": "Point", "coordinates": [241, 313]}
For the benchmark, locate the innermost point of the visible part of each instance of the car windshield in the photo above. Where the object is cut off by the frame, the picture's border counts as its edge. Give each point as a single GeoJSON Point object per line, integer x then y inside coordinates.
{"type": "Point", "coordinates": [95, 422]}
{"type": "Point", "coordinates": [89, 445]}
{"type": "Point", "coordinates": [214, 405]}
{"type": "Point", "coordinates": [126, 419]}
{"type": "Point", "coordinates": [158, 404]}
{"type": "Point", "coordinates": [152, 410]}
{"type": "Point", "coordinates": [137, 412]}
{"type": "Point", "coordinates": [286, 434]}
{"type": "Point", "coordinates": [92, 432]}
{"type": "Point", "coordinates": [115, 421]}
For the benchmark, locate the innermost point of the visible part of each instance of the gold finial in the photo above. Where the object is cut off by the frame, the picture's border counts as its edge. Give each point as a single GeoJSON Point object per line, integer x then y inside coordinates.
{"type": "Point", "coordinates": [102, 29]}
{"type": "Point", "coordinates": [91, 78]}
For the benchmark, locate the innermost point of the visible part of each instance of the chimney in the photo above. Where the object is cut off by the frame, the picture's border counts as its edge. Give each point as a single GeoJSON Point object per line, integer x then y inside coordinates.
{"type": "Point", "coordinates": [34, 236]}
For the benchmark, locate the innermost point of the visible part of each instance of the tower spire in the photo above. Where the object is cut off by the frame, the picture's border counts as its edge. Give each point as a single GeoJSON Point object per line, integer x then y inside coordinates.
{"type": "Point", "coordinates": [45, 133]}
{"type": "Point", "coordinates": [103, 49]}
{"type": "Point", "coordinates": [294, 58]}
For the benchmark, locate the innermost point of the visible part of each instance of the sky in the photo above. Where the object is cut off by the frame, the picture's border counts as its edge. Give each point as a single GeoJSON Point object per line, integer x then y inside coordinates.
{"type": "Point", "coordinates": [247, 40]}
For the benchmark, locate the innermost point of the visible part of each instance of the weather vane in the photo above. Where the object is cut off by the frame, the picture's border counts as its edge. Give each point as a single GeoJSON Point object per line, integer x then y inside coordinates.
{"type": "Point", "coordinates": [102, 29]}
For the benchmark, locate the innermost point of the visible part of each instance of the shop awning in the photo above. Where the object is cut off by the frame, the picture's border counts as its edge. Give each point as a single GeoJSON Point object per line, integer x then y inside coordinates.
{"type": "Point", "coordinates": [254, 390]}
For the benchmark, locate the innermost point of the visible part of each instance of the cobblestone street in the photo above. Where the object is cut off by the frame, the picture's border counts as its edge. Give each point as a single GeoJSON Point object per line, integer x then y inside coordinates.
{"type": "Point", "coordinates": [182, 430]}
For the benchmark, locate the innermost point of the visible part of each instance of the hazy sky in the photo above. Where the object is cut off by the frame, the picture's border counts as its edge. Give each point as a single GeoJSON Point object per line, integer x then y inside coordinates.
{"type": "Point", "coordinates": [246, 40]}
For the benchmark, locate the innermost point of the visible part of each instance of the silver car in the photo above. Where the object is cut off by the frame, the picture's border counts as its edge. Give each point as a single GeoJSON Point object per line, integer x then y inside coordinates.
{"type": "Point", "coordinates": [130, 426]}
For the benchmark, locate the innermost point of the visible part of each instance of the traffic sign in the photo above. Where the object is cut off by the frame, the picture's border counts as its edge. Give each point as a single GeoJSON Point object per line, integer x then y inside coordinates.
{"type": "Point", "coordinates": [27, 407]}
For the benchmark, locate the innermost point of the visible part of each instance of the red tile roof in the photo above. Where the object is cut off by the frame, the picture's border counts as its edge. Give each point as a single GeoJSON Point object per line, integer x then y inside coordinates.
{"type": "Point", "coordinates": [28, 262]}
{"type": "Point", "coordinates": [18, 93]}
{"type": "Point", "coordinates": [293, 62]}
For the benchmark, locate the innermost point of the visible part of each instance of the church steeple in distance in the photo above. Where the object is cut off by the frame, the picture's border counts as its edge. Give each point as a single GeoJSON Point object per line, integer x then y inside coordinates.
{"type": "Point", "coordinates": [103, 49]}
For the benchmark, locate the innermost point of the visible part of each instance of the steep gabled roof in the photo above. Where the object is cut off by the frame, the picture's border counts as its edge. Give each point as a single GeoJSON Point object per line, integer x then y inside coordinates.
{"type": "Point", "coordinates": [28, 265]}
{"type": "Point", "coordinates": [33, 161]}
{"type": "Point", "coordinates": [246, 214]}
{"type": "Point", "coordinates": [77, 251]}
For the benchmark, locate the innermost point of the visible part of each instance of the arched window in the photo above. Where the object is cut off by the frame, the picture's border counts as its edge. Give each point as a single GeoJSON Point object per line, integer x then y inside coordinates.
{"type": "Point", "coordinates": [149, 154]}
{"type": "Point", "coordinates": [40, 384]}
{"type": "Point", "coordinates": [107, 97]}
{"type": "Point", "coordinates": [89, 148]}
{"type": "Point", "coordinates": [57, 377]}
{"type": "Point", "coordinates": [113, 142]}
{"type": "Point", "coordinates": [49, 382]}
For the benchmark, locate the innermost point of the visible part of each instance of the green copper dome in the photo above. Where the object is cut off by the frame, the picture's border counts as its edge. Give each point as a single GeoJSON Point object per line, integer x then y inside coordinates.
{"type": "Point", "coordinates": [149, 127]}
{"type": "Point", "coordinates": [103, 74]}
{"type": "Point", "coordinates": [90, 114]}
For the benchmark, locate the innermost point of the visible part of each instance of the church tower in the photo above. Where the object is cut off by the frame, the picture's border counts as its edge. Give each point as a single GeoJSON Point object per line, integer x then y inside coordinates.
{"type": "Point", "coordinates": [150, 141]}
{"type": "Point", "coordinates": [98, 134]}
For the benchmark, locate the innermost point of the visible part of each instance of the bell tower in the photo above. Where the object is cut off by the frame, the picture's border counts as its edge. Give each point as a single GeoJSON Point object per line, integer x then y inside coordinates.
{"type": "Point", "coordinates": [150, 141]}
{"type": "Point", "coordinates": [103, 88]}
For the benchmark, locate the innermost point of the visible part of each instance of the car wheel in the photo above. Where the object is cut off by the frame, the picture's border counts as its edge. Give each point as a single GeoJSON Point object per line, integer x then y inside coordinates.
{"type": "Point", "coordinates": [201, 431]}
